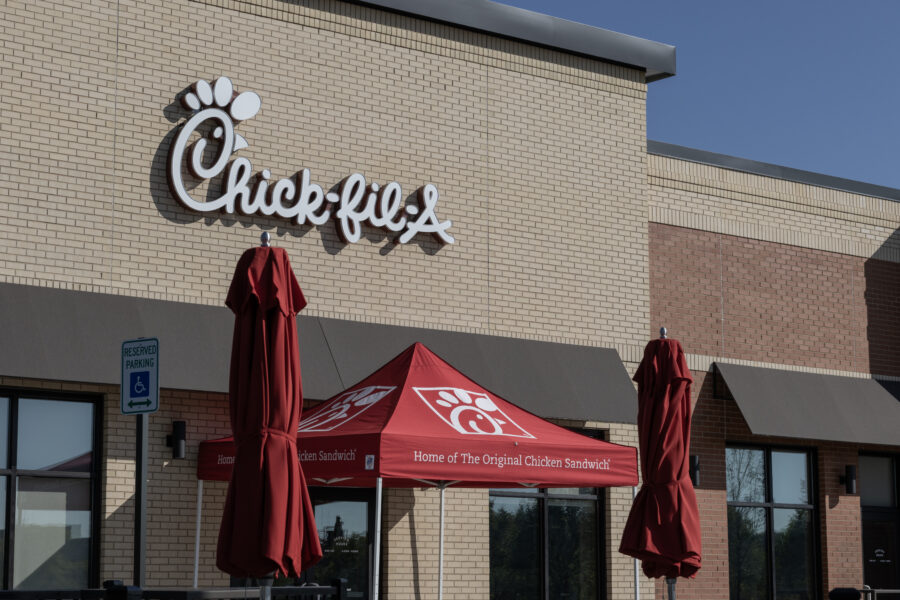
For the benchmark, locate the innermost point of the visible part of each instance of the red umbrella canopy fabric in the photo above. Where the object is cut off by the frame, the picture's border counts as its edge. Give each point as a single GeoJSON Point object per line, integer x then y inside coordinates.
{"type": "Point", "coordinates": [268, 524]}
{"type": "Point", "coordinates": [663, 527]}
{"type": "Point", "coordinates": [417, 420]}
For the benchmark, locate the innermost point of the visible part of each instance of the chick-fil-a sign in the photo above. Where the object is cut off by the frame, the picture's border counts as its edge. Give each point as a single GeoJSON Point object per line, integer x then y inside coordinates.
{"type": "Point", "coordinates": [218, 109]}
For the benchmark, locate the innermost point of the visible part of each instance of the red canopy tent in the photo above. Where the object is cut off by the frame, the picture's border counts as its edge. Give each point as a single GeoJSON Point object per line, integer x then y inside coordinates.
{"type": "Point", "coordinates": [418, 421]}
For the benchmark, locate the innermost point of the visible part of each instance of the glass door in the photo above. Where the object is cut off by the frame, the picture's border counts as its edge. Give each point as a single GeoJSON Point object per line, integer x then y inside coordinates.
{"type": "Point", "coordinates": [344, 520]}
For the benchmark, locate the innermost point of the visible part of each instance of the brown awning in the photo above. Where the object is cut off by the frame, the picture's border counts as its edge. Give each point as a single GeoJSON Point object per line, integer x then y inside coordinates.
{"type": "Point", "coordinates": [812, 406]}
{"type": "Point", "coordinates": [77, 336]}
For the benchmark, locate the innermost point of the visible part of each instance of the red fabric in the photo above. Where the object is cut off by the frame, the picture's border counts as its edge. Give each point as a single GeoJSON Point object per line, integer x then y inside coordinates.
{"type": "Point", "coordinates": [268, 524]}
{"type": "Point", "coordinates": [419, 420]}
{"type": "Point", "coordinates": [663, 528]}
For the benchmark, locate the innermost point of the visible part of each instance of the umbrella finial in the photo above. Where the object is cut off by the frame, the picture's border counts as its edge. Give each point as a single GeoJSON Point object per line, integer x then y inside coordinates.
{"type": "Point", "coordinates": [662, 333]}
{"type": "Point", "coordinates": [264, 239]}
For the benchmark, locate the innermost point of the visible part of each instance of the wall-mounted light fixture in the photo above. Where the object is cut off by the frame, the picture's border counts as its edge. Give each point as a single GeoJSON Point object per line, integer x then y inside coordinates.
{"type": "Point", "coordinates": [848, 479]}
{"type": "Point", "coordinates": [694, 468]}
{"type": "Point", "coordinates": [176, 441]}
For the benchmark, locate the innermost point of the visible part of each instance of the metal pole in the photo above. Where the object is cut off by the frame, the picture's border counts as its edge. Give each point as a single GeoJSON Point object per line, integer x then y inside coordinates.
{"type": "Point", "coordinates": [670, 584]}
{"type": "Point", "coordinates": [441, 551]}
{"type": "Point", "coordinates": [377, 550]}
{"type": "Point", "coordinates": [637, 570]}
{"type": "Point", "coordinates": [140, 498]}
{"type": "Point", "coordinates": [197, 531]}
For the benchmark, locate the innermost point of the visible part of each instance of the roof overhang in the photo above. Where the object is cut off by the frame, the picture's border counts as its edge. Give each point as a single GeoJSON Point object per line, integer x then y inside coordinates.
{"type": "Point", "coordinates": [657, 60]}
{"type": "Point", "coordinates": [67, 335]}
{"type": "Point", "coordinates": [802, 405]}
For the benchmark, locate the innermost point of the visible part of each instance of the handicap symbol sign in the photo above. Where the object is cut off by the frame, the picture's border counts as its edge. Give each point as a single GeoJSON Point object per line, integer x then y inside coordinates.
{"type": "Point", "coordinates": [140, 384]}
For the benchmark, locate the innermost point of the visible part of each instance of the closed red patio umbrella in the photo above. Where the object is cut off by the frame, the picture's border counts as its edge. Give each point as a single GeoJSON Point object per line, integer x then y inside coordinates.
{"type": "Point", "coordinates": [663, 527]}
{"type": "Point", "coordinates": [268, 524]}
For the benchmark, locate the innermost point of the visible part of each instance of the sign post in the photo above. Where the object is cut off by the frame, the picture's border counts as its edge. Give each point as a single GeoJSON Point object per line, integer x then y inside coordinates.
{"type": "Point", "coordinates": [140, 396]}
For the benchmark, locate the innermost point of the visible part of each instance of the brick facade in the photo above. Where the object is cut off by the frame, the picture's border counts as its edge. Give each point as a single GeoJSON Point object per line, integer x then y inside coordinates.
{"type": "Point", "coordinates": [566, 230]}
{"type": "Point", "coordinates": [755, 270]}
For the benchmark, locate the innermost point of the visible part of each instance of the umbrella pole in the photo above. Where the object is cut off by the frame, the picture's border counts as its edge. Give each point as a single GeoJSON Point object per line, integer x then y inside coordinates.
{"type": "Point", "coordinates": [197, 531]}
{"type": "Point", "coordinates": [670, 584]}
{"type": "Point", "coordinates": [441, 552]}
{"type": "Point", "coordinates": [377, 538]}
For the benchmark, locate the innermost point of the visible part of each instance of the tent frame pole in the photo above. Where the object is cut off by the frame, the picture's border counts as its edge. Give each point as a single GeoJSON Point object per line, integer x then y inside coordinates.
{"type": "Point", "coordinates": [637, 570]}
{"type": "Point", "coordinates": [197, 531]}
{"type": "Point", "coordinates": [442, 487]}
{"type": "Point", "coordinates": [377, 541]}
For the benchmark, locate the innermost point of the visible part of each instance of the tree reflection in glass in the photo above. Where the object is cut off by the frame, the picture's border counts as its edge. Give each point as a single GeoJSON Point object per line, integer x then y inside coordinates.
{"type": "Point", "coordinates": [747, 553]}
{"type": "Point", "coordinates": [515, 549]}
{"type": "Point", "coordinates": [793, 554]}
{"type": "Point", "coordinates": [573, 549]}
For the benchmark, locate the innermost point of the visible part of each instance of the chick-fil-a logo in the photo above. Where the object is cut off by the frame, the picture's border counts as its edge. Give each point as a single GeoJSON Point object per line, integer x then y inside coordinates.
{"type": "Point", "coordinates": [218, 108]}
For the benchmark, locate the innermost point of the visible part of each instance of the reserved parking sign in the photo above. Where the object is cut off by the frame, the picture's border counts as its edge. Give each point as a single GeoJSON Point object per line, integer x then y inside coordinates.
{"type": "Point", "coordinates": [140, 376]}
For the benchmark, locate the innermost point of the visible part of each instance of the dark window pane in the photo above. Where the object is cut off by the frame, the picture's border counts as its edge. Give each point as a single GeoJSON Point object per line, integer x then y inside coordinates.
{"type": "Point", "coordinates": [344, 535]}
{"type": "Point", "coordinates": [876, 481]}
{"type": "Point", "coordinates": [789, 479]}
{"type": "Point", "coordinates": [55, 435]}
{"type": "Point", "coordinates": [4, 433]}
{"type": "Point", "coordinates": [793, 554]}
{"type": "Point", "coordinates": [573, 549]}
{"type": "Point", "coordinates": [3, 484]}
{"type": "Point", "coordinates": [52, 541]}
{"type": "Point", "coordinates": [745, 475]}
{"type": "Point", "coordinates": [515, 549]}
{"type": "Point", "coordinates": [747, 579]}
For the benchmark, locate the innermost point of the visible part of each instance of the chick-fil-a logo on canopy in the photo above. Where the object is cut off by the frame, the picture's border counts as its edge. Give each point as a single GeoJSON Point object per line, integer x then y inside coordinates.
{"type": "Point", "coordinates": [219, 108]}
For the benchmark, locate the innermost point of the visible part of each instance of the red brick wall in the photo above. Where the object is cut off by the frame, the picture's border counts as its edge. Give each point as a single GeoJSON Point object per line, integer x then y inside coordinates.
{"type": "Point", "coordinates": [735, 297]}
{"type": "Point", "coordinates": [731, 297]}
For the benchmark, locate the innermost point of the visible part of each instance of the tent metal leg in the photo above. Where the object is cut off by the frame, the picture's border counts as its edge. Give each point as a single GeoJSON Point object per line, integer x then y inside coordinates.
{"type": "Point", "coordinates": [441, 551]}
{"type": "Point", "coordinates": [670, 584]}
{"type": "Point", "coordinates": [377, 549]}
{"type": "Point", "coordinates": [197, 531]}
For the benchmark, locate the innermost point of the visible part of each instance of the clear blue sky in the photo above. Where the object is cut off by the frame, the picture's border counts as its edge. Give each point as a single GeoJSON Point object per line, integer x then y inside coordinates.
{"type": "Point", "coordinates": [812, 85]}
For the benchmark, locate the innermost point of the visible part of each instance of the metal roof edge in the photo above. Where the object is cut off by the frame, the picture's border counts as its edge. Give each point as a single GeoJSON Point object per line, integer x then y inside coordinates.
{"type": "Point", "coordinates": [771, 170]}
{"type": "Point", "coordinates": [656, 58]}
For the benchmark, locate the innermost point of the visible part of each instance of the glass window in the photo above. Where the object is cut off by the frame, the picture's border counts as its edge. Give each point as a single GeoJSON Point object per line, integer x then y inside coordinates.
{"type": "Point", "coordinates": [46, 490]}
{"type": "Point", "coordinates": [344, 518]}
{"type": "Point", "coordinates": [53, 532]}
{"type": "Point", "coordinates": [573, 538]}
{"type": "Point", "coordinates": [546, 543]}
{"type": "Point", "coordinates": [771, 547]}
{"type": "Point", "coordinates": [54, 435]}
{"type": "Point", "coordinates": [876, 481]}
{"type": "Point", "coordinates": [515, 558]}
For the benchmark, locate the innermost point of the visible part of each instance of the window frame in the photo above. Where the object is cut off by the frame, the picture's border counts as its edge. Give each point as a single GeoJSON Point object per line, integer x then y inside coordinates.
{"type": "Point", "coordinates": [769, 505]}
{"type": "Point", "coordinates": [12, 474]}
{"type": "Point", "coordinates": [543, 495]}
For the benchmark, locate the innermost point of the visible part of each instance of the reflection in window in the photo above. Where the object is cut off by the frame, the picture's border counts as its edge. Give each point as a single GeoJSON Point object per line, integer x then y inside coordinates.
{"type": "Point", "coordinates": [53, 530]}
{"type": "Point", "coordinates": [46, 491]}
{"type": "Point", "coordinates": [344, 535]}
{"type": "Point", "coordinates": [747, 552]}
{"type": "Point", "coordinates": [515, 548]}
{"type": "Point", "coordinates": [55, 435]}
{"type": "Point", "coordinates": [573, 548]}
{"type": "Point", "coordinates": [793, 554]}
{"type": "Point", "coordinates": [770, 548]}
{"type": "Point", "coordinates": [4, 432]}
{"type": "Point", "coordinates": [545, 544]}
{"type": "Point", "coordinates": [876, 481]}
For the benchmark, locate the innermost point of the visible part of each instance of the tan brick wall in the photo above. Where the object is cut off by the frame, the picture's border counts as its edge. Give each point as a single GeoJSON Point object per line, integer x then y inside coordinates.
{"type": "Point", "coordinates": [538, 157]}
